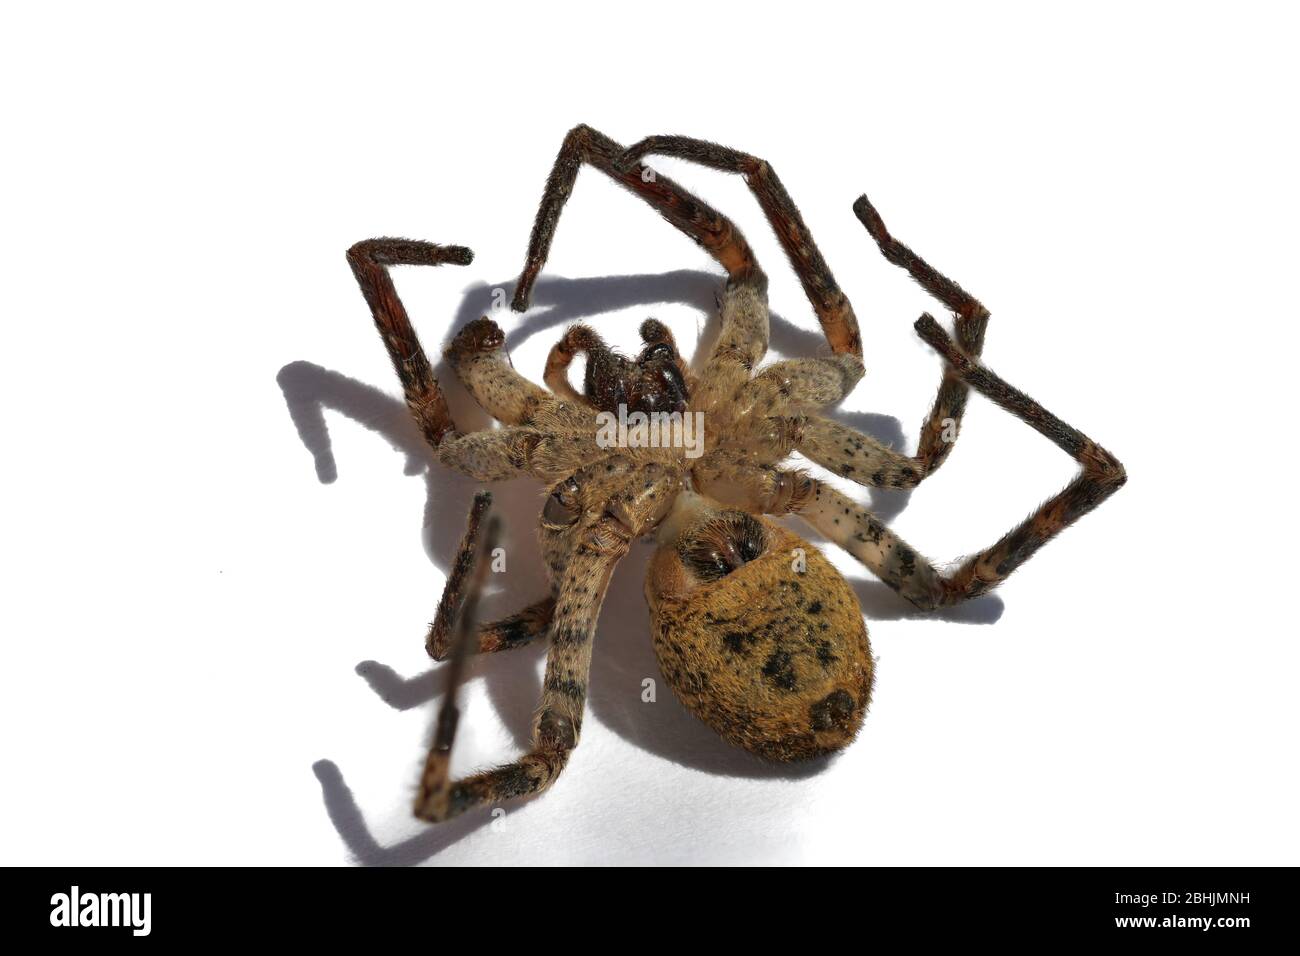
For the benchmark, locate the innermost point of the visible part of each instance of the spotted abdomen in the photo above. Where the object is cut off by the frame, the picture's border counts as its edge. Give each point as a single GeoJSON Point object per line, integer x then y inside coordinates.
{"type": "Point", "coordinates": [775, 661]}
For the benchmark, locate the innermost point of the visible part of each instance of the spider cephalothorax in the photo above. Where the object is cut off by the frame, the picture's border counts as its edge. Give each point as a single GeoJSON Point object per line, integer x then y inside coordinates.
{"type": "Point", "coordinates": [754, 629]}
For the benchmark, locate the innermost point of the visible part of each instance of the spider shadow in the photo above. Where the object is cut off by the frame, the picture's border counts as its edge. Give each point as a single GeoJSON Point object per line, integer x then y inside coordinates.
{"type": "Point", "coordinates": [625, 657]}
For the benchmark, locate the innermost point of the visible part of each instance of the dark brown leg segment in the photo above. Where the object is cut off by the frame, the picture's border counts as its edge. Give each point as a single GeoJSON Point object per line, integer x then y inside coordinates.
{"type": "Point", "coordinates": [459, 602]}
{"type": "Point", "coordinates": [506, 634]}
{"type": "Point", "coordinates": [438, 643]}
{"type": "Point", "coordinates": [370, 261]}
{"type": "Point", "coordinates": [518, 629]}
{"type": "Point", "coordinates": [564, 690]}
{"type": "Point", "coordinates": [833, 308]}
{"type": "Point", "coordinates": [716, 234]}
{"type": "Point", "coordinates": [941, 427]}
{"type": "Point", "coordinates": [902, 568]}
{"type": "Point", "coordinates": [1101, 476]}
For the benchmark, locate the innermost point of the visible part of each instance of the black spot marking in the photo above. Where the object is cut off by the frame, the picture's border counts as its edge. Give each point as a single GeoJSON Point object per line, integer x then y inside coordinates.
{"type": "Point", "coordinates": [515, 782]}
{"type": "Point", "coordinates": [515, 631]}
{"type": "Point", "coordinates": [740, 642]}
{"type": "Point", "coordinates": [832, 711]}
{"type": "Point", "coordinates": [577, 690]}
{"type": "Point", "coordinates": [779, 671]}
{"type": "Point", "coordinates": [568, 634]}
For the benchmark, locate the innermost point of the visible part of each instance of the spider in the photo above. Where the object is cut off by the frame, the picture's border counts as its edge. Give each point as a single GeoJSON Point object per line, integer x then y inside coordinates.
{"type": "Point", "coordinates": [756, 632]}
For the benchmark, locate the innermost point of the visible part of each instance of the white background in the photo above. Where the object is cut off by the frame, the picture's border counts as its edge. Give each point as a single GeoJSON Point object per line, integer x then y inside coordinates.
{"type": "Point", "coordinates": [223, 539]}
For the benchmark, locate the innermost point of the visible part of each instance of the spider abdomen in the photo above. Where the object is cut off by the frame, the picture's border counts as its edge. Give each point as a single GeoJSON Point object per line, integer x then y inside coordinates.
{"type": "Point", "coordinates": [777, 663]}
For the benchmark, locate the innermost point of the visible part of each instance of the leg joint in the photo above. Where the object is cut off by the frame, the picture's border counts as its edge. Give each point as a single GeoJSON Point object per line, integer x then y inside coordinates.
{"type": "Point", "coordinates": [1102, 466]}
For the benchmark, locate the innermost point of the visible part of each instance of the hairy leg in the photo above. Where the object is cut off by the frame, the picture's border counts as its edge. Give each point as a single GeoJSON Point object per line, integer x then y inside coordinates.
{"type": "Point", "coordinates": [370, 261]}
{"type": "Point", "coordinates": [564, 689]}
{"type": "Point", "coordinates": [833, 308]}
{"type": "Point", "coordinates": [459, 605]}
{"type": "Point", "coordinates": [855, 455]}
{"type": "Point", "coordinates": [576, 340]}
{"type": "Point", "coordinates": [503, 635]}
{"type": "Point", "coordinates": [940, 429]}
{"type": "Point", "coordinates": [860, 457]}
{"type": "Point", "coordinates": [741, 344]}
{"type": "Point", "coordinates": [902, 568]}
{"type": "Point", "coordinates": [515, 630]}
{"type": "Point", "coordinates": [438, 641]}
{"type": "Point", "coordinates": [863, 535]}
{"type": "Point", "coordinates": [716, 234]}
{"type": "Point", "coordinates": [497, 455]}
{"type": "Point", "coordinates": [797, 386]}
{"type": "Point", "coordinates": [1100, 476]}
{"type": "Point", "coordinates": [518, 629]}
{"type": "Point", "coordinates": [733, 478]}
{"type": "Point", "coordinates": [478, 356]}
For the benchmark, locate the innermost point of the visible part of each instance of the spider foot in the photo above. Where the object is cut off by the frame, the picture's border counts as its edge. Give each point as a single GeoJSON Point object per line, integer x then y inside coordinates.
{"type": "Point", "coordinates": [481, 335]}
{"type": "Point", "coordinates": [654, 332]}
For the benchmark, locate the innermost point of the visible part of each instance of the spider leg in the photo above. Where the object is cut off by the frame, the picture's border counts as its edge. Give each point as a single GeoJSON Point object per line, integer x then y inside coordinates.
{"type": "Point", "coordinates": [503, 635]}
{"type": "Point", "coordinates": [459, 602]}
{"type": "Point", "coordinates": [507, 633]}
{"type": "Point", "coordinates": [860, 457]}
{"type": "Point", "coordinates": [488, 456]}
{"type": "Point", "coordinates": [438, 642]}
{"type": "Point", "coordinates": [743, 336]}
{"type": "Point", "coordinates": [859, 532]}
{"type": "Point", "coordinates": [559, 722]}
{"type": "Point", "coordinates": [833, 308]}
{"type": "Point", "coordinates": [577, 339]}
{"type": "Point", "coordinates": [899, 565]}
{"type": "Point", "coordinates": [1101, 473]}
{"type": "Point", "coordinates": [370, 261]}
{"type": "Point", "coordinates": [794, 386]}
{"type": "Point", "coordinates": [478, 356]}
{"type": "Point", "coordinates": [515, 630]}
{"type": "Point", "coordinates": [940, 429]}
{"type": "Point", "coordinates": [713, 231]}
{"type": "Point", "coordinates": [734, 478]}
{"type": "Point", "coordinates": [497, 455]}
{"type": "Point", "coordinates": [855, 455]}
{"type": "Point", "coordinates": [518, 629]}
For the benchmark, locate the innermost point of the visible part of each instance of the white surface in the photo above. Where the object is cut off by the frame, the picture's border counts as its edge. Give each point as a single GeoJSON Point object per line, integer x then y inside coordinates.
{"type": "Point", "coordinates": [192, 581]}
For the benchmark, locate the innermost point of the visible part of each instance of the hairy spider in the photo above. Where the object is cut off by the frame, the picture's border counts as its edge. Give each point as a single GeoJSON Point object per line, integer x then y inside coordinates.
{"type": "Point", "coordinates": [758, 634]}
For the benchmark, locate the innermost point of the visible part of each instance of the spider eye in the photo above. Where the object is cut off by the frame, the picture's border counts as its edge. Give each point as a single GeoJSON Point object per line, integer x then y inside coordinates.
{"type": "Point", "coordinates": [723, 545]}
